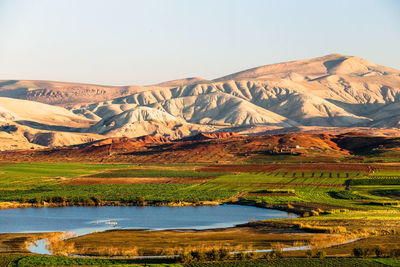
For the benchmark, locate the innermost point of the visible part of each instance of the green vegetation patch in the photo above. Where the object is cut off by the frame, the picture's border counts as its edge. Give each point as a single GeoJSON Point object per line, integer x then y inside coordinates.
{"type": "Point", "coordinates": [375, 181]}
{"type": "Point", "coordinates": [38, 182]}
{"type": "Point", "coordinates": [294, 262]}
{"type": "Point", "coordinates": [386, 192]}
{"type": "Point", "coordinates": [384, 203]}
{"type": "Point", "coordinates": [117, 192]}
{"type": "Point", "coordinates": [9, 259]}
{"type": "Point", "coordinates": [326, 188]}
{"type": "Point", "coordinates": [275, 191]}
{"type": "Point", "coordinates": [275, 199]}
{"type": "Point", "coordinates": [37, 260]}
{"type": "Point", "coordinates": [346, 195]}
{"type": "Point", "coordinates": [28, 175]}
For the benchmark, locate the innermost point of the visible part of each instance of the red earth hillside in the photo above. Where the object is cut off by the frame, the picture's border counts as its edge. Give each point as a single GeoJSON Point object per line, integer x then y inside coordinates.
{"type": "Point", "coordinates": [218, 147]}
{"type": "Point", "coordinates": [207, 136]}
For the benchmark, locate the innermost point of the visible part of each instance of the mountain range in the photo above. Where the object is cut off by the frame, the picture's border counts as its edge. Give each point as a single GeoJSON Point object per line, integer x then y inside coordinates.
{"type": "Point", "coordinates": [329, 93]}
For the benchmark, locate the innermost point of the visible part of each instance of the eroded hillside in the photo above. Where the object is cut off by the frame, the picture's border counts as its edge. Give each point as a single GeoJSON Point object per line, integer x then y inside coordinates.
{"type": "Point", "coordinates": [325, 93]}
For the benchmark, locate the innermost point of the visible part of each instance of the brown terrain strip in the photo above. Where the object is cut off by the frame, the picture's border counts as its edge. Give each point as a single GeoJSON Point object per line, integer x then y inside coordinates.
{"type": "Point", "coordinates": [294, 167]}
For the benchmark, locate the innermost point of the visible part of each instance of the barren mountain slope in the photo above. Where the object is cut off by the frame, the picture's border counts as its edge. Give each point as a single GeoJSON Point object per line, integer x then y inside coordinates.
{"type": "Point", "coordinates": [330, 91]}
{"type": "Point", "coordinates": [313, 68]}
{"type": "Point", "coordinates": [146, 121]}
{"type": "Point", "coordinates": [24, 111]}
{"type": "Point", "coordinates": [25, 124]}
{"type": "Point", "coordinates": [334, 90]}
{"type": "Point", "coordinates": [67, 93]}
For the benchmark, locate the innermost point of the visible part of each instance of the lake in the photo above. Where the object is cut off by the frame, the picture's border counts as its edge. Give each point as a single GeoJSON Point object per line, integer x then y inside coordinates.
{"type": "Point", "coordinates": [83, 220]}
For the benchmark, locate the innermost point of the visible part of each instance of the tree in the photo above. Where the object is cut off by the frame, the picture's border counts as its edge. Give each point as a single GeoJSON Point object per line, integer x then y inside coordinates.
{"type": "Point", "coordinates": [213, 255]}
{"type": "Point", "coordinates": [309, 254]}
{"type": "Point", "coordinates": [379, 251]}
{"type": "Point", "coordinates": [186, 258]}
{"type": "Point", "coordinates": [320, 254]}
{"type": "Point", "coordinates": [224, 254]}
{"type": "Point", "coordinates": [140, 201]}
{"type": "Point", "coordinates": [97, 200]}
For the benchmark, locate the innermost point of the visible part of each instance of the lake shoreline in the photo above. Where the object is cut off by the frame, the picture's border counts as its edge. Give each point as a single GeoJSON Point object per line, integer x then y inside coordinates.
{"type": "Point", "coordinates": [282, 207]}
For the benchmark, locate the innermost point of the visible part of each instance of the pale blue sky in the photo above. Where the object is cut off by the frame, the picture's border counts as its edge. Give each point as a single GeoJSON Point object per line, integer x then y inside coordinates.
{"type": "Point", "coordinates": [121, 42]}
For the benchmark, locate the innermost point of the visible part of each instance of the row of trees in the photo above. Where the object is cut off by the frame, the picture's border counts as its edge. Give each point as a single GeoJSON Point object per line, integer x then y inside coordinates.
{"type": "Point", "coordinates": [224, 254]}
{"type": "Point", "coordinates": [377, 251]}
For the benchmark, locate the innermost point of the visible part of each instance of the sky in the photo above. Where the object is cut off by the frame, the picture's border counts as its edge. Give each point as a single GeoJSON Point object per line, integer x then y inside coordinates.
{"type": "Point", "coordinates": [132, 42]}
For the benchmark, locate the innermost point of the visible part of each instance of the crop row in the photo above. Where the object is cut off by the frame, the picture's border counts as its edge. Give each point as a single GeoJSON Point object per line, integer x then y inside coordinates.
{"type": "Point", "coordinates": [386, 192]}
{"type": "Point", "coordinates": [372, 181]}
{"type": "Point", "coordinates": [314, 174]}
{"type": "Point", "coordinates": [346, 195]}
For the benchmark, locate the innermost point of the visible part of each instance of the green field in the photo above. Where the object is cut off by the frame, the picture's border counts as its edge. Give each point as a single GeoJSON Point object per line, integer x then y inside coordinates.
{"type": "Point", "coordinates": [29, 261]}
{"type": "Point", "coordinates": [339, 197]}
{"type": "Point", "coordinates": [301, 262]}
{"type": "Point", "coordinates": [38, 182]}
{"type": "Point", "coordinates": [20, 260]}
{"type": "Point", "coordinates": [31, 175]}
{"type": "Point", "coordinates": [32, 260]}
{"type": "Point", "coordinates": [117, 192]}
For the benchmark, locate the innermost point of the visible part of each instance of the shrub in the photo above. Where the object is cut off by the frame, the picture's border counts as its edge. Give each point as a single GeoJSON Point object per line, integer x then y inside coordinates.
{"type": "Point", "coordinates": [37, 200]}
{"type": "Point", "coordinates": [357, 252]}
{"type": "Point", "coordinates": [198, 255]}
{"type": "Point", "coordinates": [379, 251]}
{"type": "Point", "coordinates": [367, 252]}
{"type": "Point", "coordinates": [361, 252]}
{"type": "Point", "coordinates": [97, 200]}
{"type": "Point", "coordinates": [139, 200]}
{"type": "Point", "coordinates": [240, 256]}
{"type": "Point", "coordinates": [213, 255]}
{"type": "Point", "coordinates": [196, 201]}
{"type": "Point", "coordinates": [224, 254]}
{"type": "Point", "coordinates": [186, 258]}
{"type": "Point", "coordinates": [395, 253]}
{"type": "Point", "coordinates": [250, 255]}
{"type": "Point", "coordinates": [58, 200]}
{"type": "Point", "coordinates": [320, 254]}
{"type": "Point", "coordinates": [309, 254]}
{"type": "Point", "coordinates": [86, 201]}
{"type": "Point", "coordinates": [273, 255]}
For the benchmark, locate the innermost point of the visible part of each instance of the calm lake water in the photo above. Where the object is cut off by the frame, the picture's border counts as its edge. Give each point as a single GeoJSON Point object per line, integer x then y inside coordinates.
{"type": "Point", "coordinates": [83, 220]}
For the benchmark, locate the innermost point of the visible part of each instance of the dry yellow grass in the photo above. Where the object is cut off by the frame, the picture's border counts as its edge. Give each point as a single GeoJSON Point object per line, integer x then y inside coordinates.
{"type": "Point", "coordinates": [167, 242]}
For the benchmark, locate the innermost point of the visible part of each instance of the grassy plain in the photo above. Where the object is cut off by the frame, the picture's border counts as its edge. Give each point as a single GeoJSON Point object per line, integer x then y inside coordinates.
{"type": "Point", "coordinates": [28, 261]}
{"type": "Point", "coordinates": [302, 262]}
{"type": "Point", "coordinates": [347, 187]}
{"type": "Point", "coordinates": [357, 197]}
